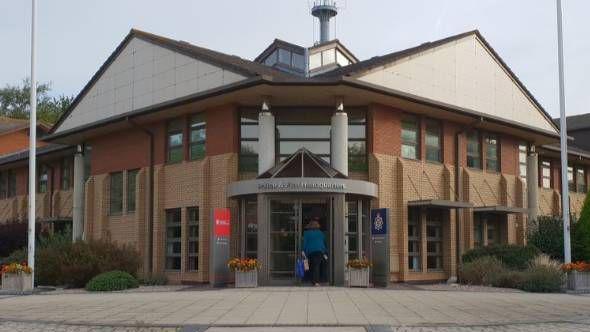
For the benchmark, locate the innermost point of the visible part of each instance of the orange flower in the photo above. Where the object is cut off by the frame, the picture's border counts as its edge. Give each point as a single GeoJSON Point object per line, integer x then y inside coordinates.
{"type": "Point", "coordinates": [358, 263]}
{"type": "Point", "coordinates": [16, 268]}
{"type": "Point", "coordinates": [576, 266]}
{"type": "Point", "coordinates": [243, 264]}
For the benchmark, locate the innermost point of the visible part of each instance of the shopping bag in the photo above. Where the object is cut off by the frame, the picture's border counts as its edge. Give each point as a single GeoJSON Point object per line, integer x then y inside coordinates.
{"type": "Point", "coordinates": [299, 268]}
{"type": "Point", "coordinates": [305, 263]}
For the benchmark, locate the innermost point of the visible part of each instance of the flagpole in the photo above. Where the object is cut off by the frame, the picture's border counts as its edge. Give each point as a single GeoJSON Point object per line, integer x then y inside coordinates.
{"type": "Point", "coordinates": [565, 206]}
{"type": "Point", "coordinates": [32, 148]}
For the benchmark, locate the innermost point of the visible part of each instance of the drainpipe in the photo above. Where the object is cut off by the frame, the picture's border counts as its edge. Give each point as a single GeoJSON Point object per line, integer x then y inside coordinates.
{"type": "Point", "coordinates": [78, 195]}
{"type": "Point", "coordinates": [150, 222]}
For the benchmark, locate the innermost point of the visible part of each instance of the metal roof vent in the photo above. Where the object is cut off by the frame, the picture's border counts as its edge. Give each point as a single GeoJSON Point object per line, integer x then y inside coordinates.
{"type": "Point", "coordinates": [324, 10]}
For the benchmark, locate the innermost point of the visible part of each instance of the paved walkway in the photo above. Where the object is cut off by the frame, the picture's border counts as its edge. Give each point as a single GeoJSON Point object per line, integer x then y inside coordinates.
{"type": "Point", "coordinates": [405, 310]}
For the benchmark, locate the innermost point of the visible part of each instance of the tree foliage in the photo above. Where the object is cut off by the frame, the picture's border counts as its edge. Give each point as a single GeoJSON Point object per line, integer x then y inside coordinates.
{"type": "Point", "coordinates": [581, 234]}
{"type": "Point", "coordinates": [14, 102]}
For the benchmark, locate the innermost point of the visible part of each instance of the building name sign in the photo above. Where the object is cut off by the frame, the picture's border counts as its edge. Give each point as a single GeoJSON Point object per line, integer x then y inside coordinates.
{"type": "Point", "coordinates": [303, 185]}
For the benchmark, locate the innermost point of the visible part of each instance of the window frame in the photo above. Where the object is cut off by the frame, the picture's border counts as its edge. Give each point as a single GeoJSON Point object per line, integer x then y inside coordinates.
{"type": "Point", "coordinates": [357, 119]}
{"type": "Point", "coordinates": [546, 165]}
{"type": "Point", "coordinates": [523, 149]}
{"type": "Point", "coordinates": [192, 239]}
{"type": "Point", "coordinates": [43, 179]}
{"type": "Point", "coordinates": [488, 137]}
{"type": "Point", "coordinates": [197, 123]}
{"type": "Point", "coordinates": [439, 239]}
{"type": "Point", "coordinates": [175, 127]}
{"type": "Point", "coordinates": [429, 124]}
{"type": "Point", "coordinates": [415, 144]}
{"type": "Point", "coordinates": [113, 195]}
{"type": "Point", "coordinates": [581, 186]}
{"type": "Point", "coordinates": [66, 168]}
{"type": "Point", "coordinates": [172, 224]}
{"type": "Point", "coordinates": [130, 194]}
{"type": "Point", "coordinates": [474, 155]}
{"type": "Point", "coordinates": [414, 219]}
{"type": "Point", "coordinates": [252, 165]}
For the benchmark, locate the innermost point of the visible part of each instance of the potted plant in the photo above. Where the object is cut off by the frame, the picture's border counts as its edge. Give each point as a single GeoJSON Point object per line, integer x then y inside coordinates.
{"type": "Point", "coordinates": [16, 277]}
{"type": "Point", "coordinates": [578, 275]}
{"type": "Point", "coordinates": [246, 271]}
{"type": "Point", "coordinates": [358, 272]}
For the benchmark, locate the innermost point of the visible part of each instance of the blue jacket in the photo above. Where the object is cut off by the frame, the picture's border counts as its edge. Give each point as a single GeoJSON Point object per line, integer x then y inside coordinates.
{"type": "Point", "coordinates": [314, 240]}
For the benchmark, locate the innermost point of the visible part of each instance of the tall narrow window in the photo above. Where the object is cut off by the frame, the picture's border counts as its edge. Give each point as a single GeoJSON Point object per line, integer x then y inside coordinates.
{"type": "Point", "coordinates": [43, 179]}
{"type": "Point", "coordinates": [198, 137]}
{"type": "Point", "coordinates": [3, 185]}
{"type": "Point", "coordinates": [250, 207]}
{"type": "Point", "coordinates": [66, 174]}
{"type": "Point", "coordinates": [433, 141]}
{"type": "Point", "coordinates": [414, 240]}
{"type": "Point", "coordinates": [570, 179]}
{"type": "Point", "coordinates": [546, 174]}
{"type": "Point", "coordinates": [581, 179]}
{"type": "Point", "coordinates": [11, 183]}
{"type": "Point", "coordinates": [116, 193]}
{"type": "Point", "coordinates": [357, 141]}
{"type": "Point", "coordinates": [492, 153]}
{"type": "Point", "coordinates": [493, 232]}
{"type": "Point", "coordinates": [248, 161]}
{"type": "Point", "coordinates": [410, 138]}
{"type": "Point", "coordinates": [353, 229]}
{"type": "Point", "coordinates": [434, 240]}
{"type": "Point", "coordinates": [175, 141]}
{"type": "Point", "coordinates": [131, 188]}
{"type": "Point", "coordinates": [522, 160]}
{"type": "Point", "coordinates": [87, 161]}
{"type": "Point", "coordinates": [478, 233]}
{"type": "Point", "coordinates": [173, 239]}
{"type": "Point", "coordinates": [473, 150]}
{"type": "Point", "coordinates": [193, 239]}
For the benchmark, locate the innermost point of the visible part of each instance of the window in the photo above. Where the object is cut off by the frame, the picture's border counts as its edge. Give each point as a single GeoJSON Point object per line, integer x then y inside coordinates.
{"type": "Point", "coordinates": [284, 57]}
{"type": "Point", "coordinates": [193, 239]}
{"type": "Point", "coordinates": [198, 137]}
{"type": "Point", "coordinates": [522, 160]}
{"type": "Point", "coordinates": [311, 132]}
{"type": "Point", "coordinates": [352, 234]}
{"type": "Point", "coordinates": [87, 161]}
{"type": "Point", "coordinates": [250, 207]}
{"type": "Point", "coordinates": [477, 233]}
{"type": "Point", "coordinates": [410, 138]}
{"type": "Point", "coordinates": [116, 193]}
{"type": "Point", "coordinates": [43, 179]}
{"type": "Point", "coordinates": [492, 153]}
{"type": "Point", "coordinates": [11, 183]}
{"type": "Point", "coordinates": [434, 240]}
{"type": "Point", "coordinates": [433, 141]}
{"type": "Point", "coordinates": [175, 141]}
{"type": "Point", "coordinates": [3, 185]}
{"type": "Point", "coordinates": [173, 239]}
{"type": "Point", "coordinates": [341, 59]}
{"type": "Point", "coordinates": [414, 240]}
{"type": "Point", "coordinates": [328, 56]}
{"type": "Point", "coordinates": [298, 61]}
{"type": "Point", "coordinates": [271, 59]}
{"type": "Point", "coordinates": [570, 179]}
{"type": "Point", "coordinates": [131, 187]}
{"type": "Point", "coordinates": [473, 150]}
{"type": "Point", "coordinates": [315, 61]}
{"type": "Point", "coordinates": [7, 184]}
{"type": "Point", "coordinates": [248, 160]}
{"type": "Point", "coordinates": [546, 174]}
{"type": "Point", "coordinates": [493, 233]}
{"type": "Point", "coordinates": [581, 180]}
{"type": "Point", "coordinates": [357, 141]}
{"type": "Point", "coordinates": [66, 174]}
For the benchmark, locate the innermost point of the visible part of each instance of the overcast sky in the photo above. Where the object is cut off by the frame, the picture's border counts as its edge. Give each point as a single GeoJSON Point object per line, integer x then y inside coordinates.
{"type": "Point", "coordinates": [76, 36]}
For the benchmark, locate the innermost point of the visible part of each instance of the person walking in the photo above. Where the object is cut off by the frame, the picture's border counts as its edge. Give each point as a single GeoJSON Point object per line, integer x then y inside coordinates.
{"type": "Point", "coordinates": [314, 247]}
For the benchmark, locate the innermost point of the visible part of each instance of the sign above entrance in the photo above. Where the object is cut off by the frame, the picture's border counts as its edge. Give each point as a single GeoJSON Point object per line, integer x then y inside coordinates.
{"type": "Point", "coordinates": [298, 185]}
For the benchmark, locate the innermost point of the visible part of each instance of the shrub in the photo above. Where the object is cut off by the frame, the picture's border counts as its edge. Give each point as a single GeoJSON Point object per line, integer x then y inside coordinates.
{"type": "Point", "coordinates": [155, 280]}
{"type": "Point", "coordinates": [509, 279]}
{"type": "Point", "coordinates": [542, 279]}
{"type": "Point", "coordinates": [482, 271]}
{"type": "Point", "coordinates": [581, 234]}
{"type": "Point", "coordinates": [546, 233]}
{"type": "Point", "coordinates": [112, 281]}
{"type": "Point", "coordinates": [512, 256]}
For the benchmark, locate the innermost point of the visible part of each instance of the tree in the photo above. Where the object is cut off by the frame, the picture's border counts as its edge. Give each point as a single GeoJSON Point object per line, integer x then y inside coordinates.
{"type": "Point", "coordinates": [581, 234]}
{"type": "Point", "coordinates": [14, 102]}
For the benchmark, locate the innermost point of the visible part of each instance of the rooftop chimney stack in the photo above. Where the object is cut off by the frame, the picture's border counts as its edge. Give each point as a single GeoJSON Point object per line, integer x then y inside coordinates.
{"type": "Point", "coordinates": [324, 10]}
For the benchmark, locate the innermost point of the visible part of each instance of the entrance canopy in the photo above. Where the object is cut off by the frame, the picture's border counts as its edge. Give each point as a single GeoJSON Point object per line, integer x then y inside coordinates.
{"type": "Point", "coordinates": [499, 209]}
{"type": "Point", "coordinates": [302, 172]}
{"type": "Point", "coordinates": [440, 203]}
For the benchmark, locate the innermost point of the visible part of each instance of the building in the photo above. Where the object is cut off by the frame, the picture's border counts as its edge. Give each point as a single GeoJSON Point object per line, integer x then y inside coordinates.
{"type": "Point", "coordinates": [443, 134]}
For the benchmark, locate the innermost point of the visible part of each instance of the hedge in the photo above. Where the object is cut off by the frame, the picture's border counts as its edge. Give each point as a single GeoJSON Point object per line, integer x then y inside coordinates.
{"type": "Point", "coordinates": [512, 256]}
{"type": "Point", "coordinates": [112, 281]}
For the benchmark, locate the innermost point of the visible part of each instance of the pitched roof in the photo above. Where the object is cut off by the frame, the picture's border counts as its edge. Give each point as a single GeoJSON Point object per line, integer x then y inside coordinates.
{"type": "Point", "coordinates": [575, 122]}
{"type": "Point", "coordinates": [9, 124]}
{"type": "Point", "coordinates": [24, 154]}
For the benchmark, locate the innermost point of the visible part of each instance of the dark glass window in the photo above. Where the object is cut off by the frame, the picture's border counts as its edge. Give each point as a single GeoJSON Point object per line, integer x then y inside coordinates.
{"type": "Point", "coordinates": [131, 188]}
{"type": "Point", "coordinates": [492, 153]}
{"type": "Point", "coordinates": [248, 160]}
{"type": "Point", "coordinates": [251, 228]}
{"type": "Point", "coordinates": [570, 179]}
{"type": "Point", "coordinates": [43, 179]}
{"type": "Point", "coordinates": [477, 233]}
{"type": "Point", "coordinates": [410, 138]}
{"type": "Point", "coordinates": [414, 240]}
{"type": "Point", "coordinates": [433, 141]}
{"type": "Point", "coordinates": [116, 193]}
{"type": "Point", "coordinates": [11, 183]}
{"type": "Point", "coordinates": [310, 131]}
{"type": "Point", "coordinates": [3, 185]}
{"type": "Point", "coordinates": [175, 141]}
{"type": "Point", "coordinates": [66, 174]}
{"type": "Point", "coordinates": [434, 238]}
{"type": "Point", "coordinates": [173, 239]}
{"type": "Point", "coordinates": [473, 150]}
{"type": "Point", "coordinates": [522, 160]}
{"type": "Point", "coordinates": [357, 141]}
{"type": "Point", "coordinates": [198, 137]}
{"type": "Point", "coordinates": [546, 174]}
{"type": "Point", "coordinates": [581, 179]}
{"type": "Point", "coordinates": [193, 239]}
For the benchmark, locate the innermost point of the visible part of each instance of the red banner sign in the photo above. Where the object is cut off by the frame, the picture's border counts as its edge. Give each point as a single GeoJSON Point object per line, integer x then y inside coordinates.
{"type": "Point", "coordinates": [222, 222]}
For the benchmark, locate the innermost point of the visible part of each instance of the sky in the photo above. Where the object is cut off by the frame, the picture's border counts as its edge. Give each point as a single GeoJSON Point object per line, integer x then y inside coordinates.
{"type": "Point", "coordinates": [75, 37]}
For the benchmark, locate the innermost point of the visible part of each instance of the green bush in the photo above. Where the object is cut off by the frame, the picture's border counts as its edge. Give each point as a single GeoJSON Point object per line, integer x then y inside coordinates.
{"type": "Point", "coordinates": [581, 234]}
{"type": "Point", "coordinates": [512, 256]}
{"type": "Point", "coordinates": [154, 280]}
{"type": "Point", "coordinates": [112, 281]}
{"type": "Point", "coordinates": [509, 279]}
{"type": "Point", "coordinates": [483, 270]}
{"type": "Point", "coordinates": [546, 233]}
{"type": "Point", "coordinates": [542, 279]}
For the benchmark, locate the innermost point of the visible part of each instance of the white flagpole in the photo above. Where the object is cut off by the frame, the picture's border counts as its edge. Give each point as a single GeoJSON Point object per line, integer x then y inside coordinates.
{"type": "Point", "coordinates": [565, 206]}
{"type": "Point", "coordinates": [32, 148]}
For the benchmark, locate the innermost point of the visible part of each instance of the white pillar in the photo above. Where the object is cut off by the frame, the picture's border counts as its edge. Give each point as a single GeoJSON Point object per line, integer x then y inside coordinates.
{"type": "Point", "coordinates": [532, 185]}
{"type": "Point", "coordinates": [339, 140]}
{"type": "Point", "coordinates": [78, 195]}
{"type": "Point", "coordinates": [266, 139]}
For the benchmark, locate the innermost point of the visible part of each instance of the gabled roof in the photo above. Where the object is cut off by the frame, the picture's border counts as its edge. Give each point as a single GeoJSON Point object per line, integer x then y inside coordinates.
{"type": "Point", "coordinates": [24, 154]}
{"type": "Point", "coordinates": [576, 122]}
{"type": "Point", "coordinates": [8, 125]}
{"type": "Point", "coordinates": [300, 164]}
{"type": "Point", "coordinates": [278, 43]}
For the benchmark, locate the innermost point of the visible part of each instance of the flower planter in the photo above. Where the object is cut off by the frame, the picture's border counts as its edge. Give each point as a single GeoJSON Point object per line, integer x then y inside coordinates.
{"type": "Point", "coordinates": [17, 282]}
{"type": "Point", "coordinates": [247, 279]}
{"type": "Point", "coordinates": [578, 281]}
{"type": "Point", "coordinates": [358, 277]}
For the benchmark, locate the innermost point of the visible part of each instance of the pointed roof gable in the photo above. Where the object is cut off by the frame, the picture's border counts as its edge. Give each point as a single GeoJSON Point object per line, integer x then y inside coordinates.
{"type": "Point", "coordinates": [147, 69]}
{"type": "Point", "coordinates": [300, 164]}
